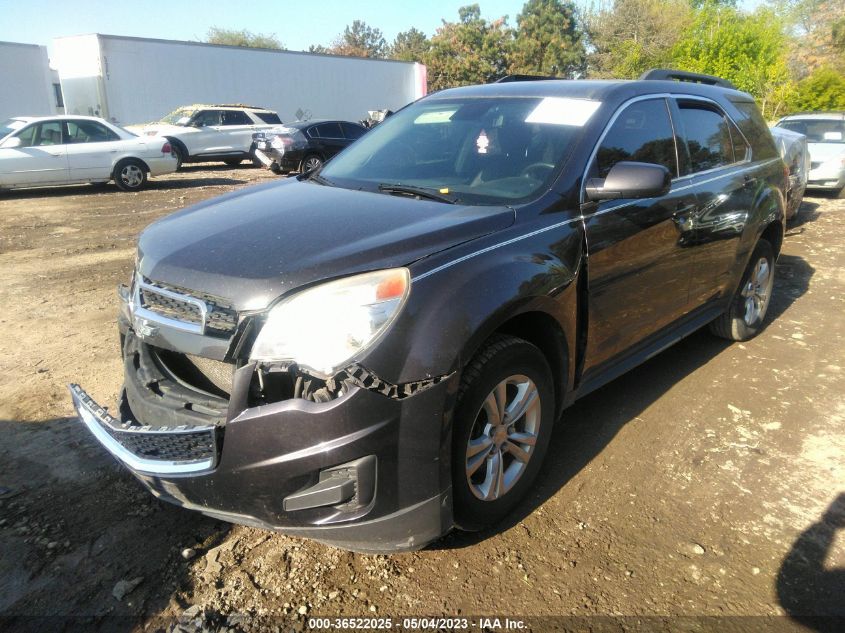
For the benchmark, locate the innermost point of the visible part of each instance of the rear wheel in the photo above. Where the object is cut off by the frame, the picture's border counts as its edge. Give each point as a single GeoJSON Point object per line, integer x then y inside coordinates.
{"type": "Point", "coordinates": [744, 317]}
{"type": "Point", "coordinates": [130, 174]}
{"type": "Point", "coordinates": [310, 163]}
{"type": "Point", "coordinates": [503, 421]}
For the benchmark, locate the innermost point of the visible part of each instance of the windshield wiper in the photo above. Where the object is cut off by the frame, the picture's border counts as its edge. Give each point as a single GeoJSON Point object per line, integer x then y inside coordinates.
{"type": "Point", "coordinates": [316, 177]}
{"type": "Point", "coordinates": [421, 192]}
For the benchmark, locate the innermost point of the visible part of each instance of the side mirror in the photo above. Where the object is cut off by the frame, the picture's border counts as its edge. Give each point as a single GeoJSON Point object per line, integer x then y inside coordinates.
{"type": "Point", "coordinates": [630, 180]}
{"type": "Point", "coordinates": [11, 143]}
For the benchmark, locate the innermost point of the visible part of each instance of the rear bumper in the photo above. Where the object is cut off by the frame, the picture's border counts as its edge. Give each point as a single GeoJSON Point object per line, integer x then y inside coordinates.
{"type": "Point", "coordinates": [266, 455]}
{"type": "Point", "coordinates": [161, 165]}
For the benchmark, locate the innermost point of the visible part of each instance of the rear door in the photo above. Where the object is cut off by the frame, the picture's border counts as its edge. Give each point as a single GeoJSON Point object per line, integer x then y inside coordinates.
{"type": "Point", "coordinates": [352, 132]}
{"type": "Point", "coordinates": [638, 264]}
{"type": "Point", "coordinates": [41, 158]}
{"type": "Point", "coordinates": [91, 149]}
{"type": "Point", "coordinates": [237, 128]}
{"type": "Point", "coordinates": [719, 162]}
{"type": "Point", "coordinates": [331, 138]}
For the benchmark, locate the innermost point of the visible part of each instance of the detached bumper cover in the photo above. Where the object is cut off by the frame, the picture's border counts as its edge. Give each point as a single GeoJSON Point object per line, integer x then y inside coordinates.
{"type": "Point", "coordinates": [244, 470]}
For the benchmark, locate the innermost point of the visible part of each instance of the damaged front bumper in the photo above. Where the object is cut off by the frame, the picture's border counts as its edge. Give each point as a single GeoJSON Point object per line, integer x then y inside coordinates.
{"type": "Point", "coordinates": [363, 471]}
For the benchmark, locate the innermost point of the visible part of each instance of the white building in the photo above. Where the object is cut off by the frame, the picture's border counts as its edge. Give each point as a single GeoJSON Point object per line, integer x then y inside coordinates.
{"type": "Point", "coordinates": [133, 80]}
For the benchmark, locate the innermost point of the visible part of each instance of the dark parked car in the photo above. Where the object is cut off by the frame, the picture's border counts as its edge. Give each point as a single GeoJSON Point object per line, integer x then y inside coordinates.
{"type": "Point", "coordinates": [376, 352]}
{"type": "Point", "coordinates": [303, 146]}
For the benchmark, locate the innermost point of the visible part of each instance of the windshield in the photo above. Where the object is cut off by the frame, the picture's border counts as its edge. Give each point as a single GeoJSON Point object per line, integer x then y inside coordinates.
{"type": "Point", "coordinates": [477, 151]}
{"type": "Point", "coordinates": [817, 130]}
{"type": "Point", "coordinates": [174, 117]}
{"type": "Point", "coordinates": [9, 126]}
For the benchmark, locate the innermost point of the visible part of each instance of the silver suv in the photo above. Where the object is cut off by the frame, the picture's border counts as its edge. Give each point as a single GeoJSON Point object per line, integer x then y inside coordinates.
{"type": "Point", "coordinates": [203, 133]}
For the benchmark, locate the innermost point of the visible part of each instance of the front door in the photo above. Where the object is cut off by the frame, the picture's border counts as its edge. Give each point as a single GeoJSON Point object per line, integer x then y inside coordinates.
{"type": "Point", "coordinates": [40, 159]}
{"type": "Point", "coordinates": [638, 264]}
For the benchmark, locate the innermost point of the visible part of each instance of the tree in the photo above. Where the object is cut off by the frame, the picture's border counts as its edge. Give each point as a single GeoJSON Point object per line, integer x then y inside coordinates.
{"type": "Point", "coordinates": [232, 37]}
{"type": "Point", "coordinates": [818, 27]}
{"type": "Point", "coordinates": [747, 49]}
{"type": "Point", "coordinates": [631, 36]}
{"type": "Point", "coordinates": [549, 40]}
{"type": "Point", "coordinates": [470, 51]}
{"type": "Point", "coordinates": [360, 40]}
{"type": "Point", "coordinates": [410, 46]}
{"type": "Point", "coordinates": [824, 89]}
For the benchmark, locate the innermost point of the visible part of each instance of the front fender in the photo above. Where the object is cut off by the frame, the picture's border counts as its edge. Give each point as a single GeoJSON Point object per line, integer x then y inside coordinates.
{"type": "Point", "coordinates": [460, 297]}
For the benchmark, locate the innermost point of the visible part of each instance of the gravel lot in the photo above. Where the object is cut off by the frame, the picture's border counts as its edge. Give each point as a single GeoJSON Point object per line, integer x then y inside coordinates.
{"type": "Point", "coordinates": [708, 482]}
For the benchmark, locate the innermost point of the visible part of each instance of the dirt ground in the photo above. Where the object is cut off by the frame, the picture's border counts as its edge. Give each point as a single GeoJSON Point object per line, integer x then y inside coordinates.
{"type": "Point", "coordinates": [708, 482]}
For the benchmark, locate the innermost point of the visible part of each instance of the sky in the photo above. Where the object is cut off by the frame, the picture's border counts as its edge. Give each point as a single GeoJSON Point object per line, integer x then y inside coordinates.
{"type": "Point", "coordinates": [295, 24]}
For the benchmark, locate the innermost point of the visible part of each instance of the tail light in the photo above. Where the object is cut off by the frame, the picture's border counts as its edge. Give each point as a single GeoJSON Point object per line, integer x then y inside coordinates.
{"type": "Point", "coordinates": [166, 149]}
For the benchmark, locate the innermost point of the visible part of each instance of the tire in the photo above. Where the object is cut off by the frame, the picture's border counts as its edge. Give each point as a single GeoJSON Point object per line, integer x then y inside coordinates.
{"type": "Point", "coordinates": [179, 152]}
{"type": "Point", "coordinates": [746, 314]}
{"type": "Point", "coordinates": [310, 162]}
{"type": "Point", "coordinates": [130, 174]}
{"type": "Point", "coordinates": [233, 162]}
{"type": "Point", "coordinates": [516, 368]}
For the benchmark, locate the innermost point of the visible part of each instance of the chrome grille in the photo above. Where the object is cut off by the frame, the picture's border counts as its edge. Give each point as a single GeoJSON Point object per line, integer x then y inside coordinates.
{"type": "Point", "coordinates": [221, 318]}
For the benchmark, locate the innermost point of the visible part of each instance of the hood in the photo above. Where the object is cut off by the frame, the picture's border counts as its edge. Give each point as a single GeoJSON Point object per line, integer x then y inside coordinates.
{"type": "Point", "coordinates": [823, 152]}
{"type": "Point", "coordinates": [253, 245]}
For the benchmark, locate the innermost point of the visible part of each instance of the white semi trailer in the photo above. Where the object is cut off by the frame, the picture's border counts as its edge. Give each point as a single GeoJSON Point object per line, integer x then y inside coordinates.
{"type": "Point", "coordinates": [27, 87]}
{"type": "Point", "coordinates": [131, 80]}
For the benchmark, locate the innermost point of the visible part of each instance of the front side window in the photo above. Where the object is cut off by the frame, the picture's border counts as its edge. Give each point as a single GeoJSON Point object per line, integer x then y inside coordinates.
{"type": "Point", "coordinates": [642, 133]}
{"type": "Point", "coordinates": [483, 150]}
{"type": "Point", "coordinates": [89, 132]}
{"type": "Point", "coordinates": [42, 134]}
{"type": "Point", "coordinates": [708, 136]}
{"type": "Point", "coordinates": [351, 131]}
{"type": "Point", "coordinates": [206, 118]}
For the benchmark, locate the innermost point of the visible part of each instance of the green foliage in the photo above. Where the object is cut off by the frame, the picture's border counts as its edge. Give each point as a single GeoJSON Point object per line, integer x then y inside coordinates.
{"type": "Point", "coordinates": [632, 36]}
{"type": "Point", "coordinates": [232, 37]}
{"type": "Point", "coordinates": [410, 46]}
{"type": "Point", "coordinates": [360, 40]}
{"type": "Point", "coordinates": [747, 49]}
{"type": "Point", "coordinates": [549, 40]}
{"type": "Point", "coordinates": [824, 89]}
{"type": "Point", "coordinates": [470, 51]}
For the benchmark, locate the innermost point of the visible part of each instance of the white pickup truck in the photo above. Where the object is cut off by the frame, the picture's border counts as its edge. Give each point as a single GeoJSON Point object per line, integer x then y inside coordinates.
{"type": "Point", "coordinates": [204, 133]}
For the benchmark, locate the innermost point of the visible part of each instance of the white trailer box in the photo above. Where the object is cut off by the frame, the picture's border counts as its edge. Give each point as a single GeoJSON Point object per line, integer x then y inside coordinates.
{"type": "Point", "coordinates": [133, 80]}
{"type": "Point", "coordinates": [27, 88]}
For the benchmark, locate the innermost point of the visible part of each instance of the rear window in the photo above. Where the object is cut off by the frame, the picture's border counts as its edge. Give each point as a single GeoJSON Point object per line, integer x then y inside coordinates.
{"type": "Point", "coordinates": [817, 130]}
{"type": "Point", "coordinates": [707, 135]}
{"type": "Point", "coordinates": [268, 117]}
{"type": "Point", "coordinates": [754, 128]}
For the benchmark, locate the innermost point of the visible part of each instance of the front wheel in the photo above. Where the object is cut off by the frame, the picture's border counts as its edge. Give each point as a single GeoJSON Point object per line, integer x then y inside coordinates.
{"type": "Point", "coordinates": [745, 315]}
{"type": "Point", "coordinates": [233, 162]}
{"type": "Point", "coordinates": [130, 174]}
{"type": "Point", "coordinates": [503, 422]}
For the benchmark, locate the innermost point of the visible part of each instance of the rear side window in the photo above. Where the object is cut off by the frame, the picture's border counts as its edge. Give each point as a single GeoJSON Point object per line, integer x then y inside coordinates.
{"type": "Point", "coordinates": [754, 128]}
{"type": "Point", "coordinates": [329, 130]}
{"type": "Point", "coordinates": [641, 133]}
{"type": "Point", "coordinates": [352, 131]}
{"type": "Point", "coordinates": [708, 136]}
{"type": "Point", "coordinates": [268, 117]}
{"type": "Point", "coordinates": [235, 117]}
{"type": "Point", "coordinates": [89, 132]}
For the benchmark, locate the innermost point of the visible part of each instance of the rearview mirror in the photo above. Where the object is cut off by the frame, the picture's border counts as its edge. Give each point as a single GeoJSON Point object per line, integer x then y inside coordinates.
{"type": "Point", "coordinates": [630, 180]}
{"type": "Point", "coordinates": [13, 142]}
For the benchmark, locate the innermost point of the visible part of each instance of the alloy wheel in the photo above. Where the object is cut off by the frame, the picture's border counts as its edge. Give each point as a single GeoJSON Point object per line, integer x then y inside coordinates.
{"type": "Point", "coordinates": [757, 291]}
{"type": "Point", "coordinates": [503, 437]}
{"type": "Point", "coordinates": [132, 176]}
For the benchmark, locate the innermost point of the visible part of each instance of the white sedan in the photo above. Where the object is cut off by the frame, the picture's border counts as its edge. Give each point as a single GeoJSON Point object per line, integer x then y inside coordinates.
{"type": "Point", "coordinates": [59, 150]}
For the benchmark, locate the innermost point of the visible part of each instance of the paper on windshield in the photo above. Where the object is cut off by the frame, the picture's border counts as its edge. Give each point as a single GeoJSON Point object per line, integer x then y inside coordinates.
{"type": "Point", "coordinates": [563, 111]}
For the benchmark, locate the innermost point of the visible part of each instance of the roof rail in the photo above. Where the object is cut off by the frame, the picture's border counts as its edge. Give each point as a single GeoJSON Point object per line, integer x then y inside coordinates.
{"type": "Point", "coordinates": [511, 78]}
{"type": "Point", "coordinates": [682, 75]}
{"type": "Point", "coordinates": [236, 105]}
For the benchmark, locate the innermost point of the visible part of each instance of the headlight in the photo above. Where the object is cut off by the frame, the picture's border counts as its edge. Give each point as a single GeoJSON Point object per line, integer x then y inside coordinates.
{"type": "Point", "coordinates": [324, 327]}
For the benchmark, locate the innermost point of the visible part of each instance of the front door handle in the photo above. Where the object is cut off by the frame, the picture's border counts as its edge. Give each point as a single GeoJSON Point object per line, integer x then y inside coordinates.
{"type": "Point", "coordinates": [748, 180]}
{"type": "Point", "coordinates": [684, 209]}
